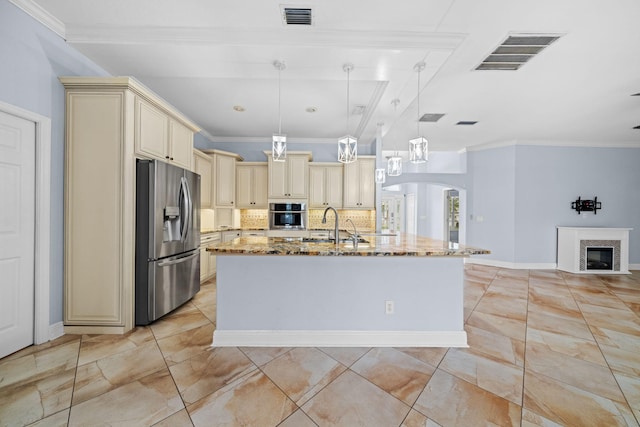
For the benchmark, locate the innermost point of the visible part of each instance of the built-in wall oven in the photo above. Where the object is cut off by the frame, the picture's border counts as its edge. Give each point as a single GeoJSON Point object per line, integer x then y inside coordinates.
{"type": "Point", "coordinates": [288, 216]}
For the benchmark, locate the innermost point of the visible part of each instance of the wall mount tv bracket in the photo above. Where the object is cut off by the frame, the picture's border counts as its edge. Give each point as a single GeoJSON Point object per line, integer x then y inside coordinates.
{"type": "Point", "coordinates": [586, 205]}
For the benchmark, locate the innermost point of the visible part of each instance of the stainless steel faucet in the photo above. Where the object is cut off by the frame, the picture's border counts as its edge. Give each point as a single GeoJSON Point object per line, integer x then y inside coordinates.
{"type": "Point", "coordinates": [354, 236]}
{"type": "Point", "coordinates": [336, 233]}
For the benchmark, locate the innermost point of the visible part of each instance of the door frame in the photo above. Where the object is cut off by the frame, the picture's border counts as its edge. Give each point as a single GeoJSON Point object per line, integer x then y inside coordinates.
{"type": "Point", "coordinates": [42, 226]}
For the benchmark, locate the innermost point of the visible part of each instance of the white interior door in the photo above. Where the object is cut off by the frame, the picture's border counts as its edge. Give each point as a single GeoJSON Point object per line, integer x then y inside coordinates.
{"type": "Point", "coordinates": [17, 224]}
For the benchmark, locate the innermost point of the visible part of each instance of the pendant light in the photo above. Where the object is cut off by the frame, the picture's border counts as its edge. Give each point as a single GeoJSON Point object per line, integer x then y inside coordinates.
{"type": "Point", "coordinates": [394, 164]}
{"type": "Point", "coordinates": [279, 142]}
{"type": "Point", "coordinates": [347, 145]}
{"type": "Point", "coordinates": [418, 148]}
{"type": "Point", "coordinates": [380, 176]}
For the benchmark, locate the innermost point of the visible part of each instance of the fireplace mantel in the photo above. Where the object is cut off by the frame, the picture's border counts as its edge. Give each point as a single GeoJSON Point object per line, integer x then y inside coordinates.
{"type": "Point", "coordinates": [574, 244]}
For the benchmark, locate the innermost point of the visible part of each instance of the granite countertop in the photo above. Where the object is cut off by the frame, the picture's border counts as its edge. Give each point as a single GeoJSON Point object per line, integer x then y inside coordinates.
{"type": "Point", "coordinates": [398, 245]}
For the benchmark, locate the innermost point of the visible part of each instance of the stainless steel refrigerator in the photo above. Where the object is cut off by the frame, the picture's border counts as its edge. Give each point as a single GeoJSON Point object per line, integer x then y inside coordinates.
{"type": "Point", "coordinates": [167, 238]}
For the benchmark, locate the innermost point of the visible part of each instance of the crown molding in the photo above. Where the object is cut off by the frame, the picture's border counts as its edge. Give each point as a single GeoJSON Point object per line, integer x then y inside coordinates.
{"type": "Point", "coordinates": [551, 143]}
{"type": "Point", "coordinates": [36, 11]}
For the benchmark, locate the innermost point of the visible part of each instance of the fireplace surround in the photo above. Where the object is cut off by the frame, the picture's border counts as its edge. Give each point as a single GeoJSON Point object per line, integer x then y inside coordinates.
{"type": "Point", "coordinates": [593, 250]}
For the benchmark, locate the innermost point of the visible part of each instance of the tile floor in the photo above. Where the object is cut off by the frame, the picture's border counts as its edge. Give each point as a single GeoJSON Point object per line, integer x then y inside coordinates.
{"type": "Point", "coordinates": [546, 349]}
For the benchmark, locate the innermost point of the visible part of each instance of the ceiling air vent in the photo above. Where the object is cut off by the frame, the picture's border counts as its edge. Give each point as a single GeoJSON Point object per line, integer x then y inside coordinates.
{"type": "Point", "coordinates": [466, 123]}
{"type": "Point", "coordinates": [297, 16]}
{"type": "Point", "coordinates": [431, 117]}
{"type": "Point", "coordinates": [515, 51]}
{"type": "Point", "coordinates": [636, 127]}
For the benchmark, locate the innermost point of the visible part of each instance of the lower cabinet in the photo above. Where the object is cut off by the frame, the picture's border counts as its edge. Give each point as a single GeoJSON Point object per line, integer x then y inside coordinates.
{"type": "Point", "coordinates": [207, 259]}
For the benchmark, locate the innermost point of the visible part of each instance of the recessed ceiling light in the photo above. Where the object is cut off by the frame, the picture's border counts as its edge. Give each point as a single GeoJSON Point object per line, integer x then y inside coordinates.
{"type": "Point", "coordinates": [238, 108]}
{"type": "Point", "coordinates": [358, 110]}
{"type": "Point", "coordinates": [311, 109]}
{"type": "Point", "coordinates": [466, 123]}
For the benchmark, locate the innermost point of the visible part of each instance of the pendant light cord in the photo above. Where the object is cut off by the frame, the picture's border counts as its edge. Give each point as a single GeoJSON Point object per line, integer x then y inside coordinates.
{"type": "Point", "coordinates": [279, 103]}
{"type": "Point", "coordinates": [348, 74]}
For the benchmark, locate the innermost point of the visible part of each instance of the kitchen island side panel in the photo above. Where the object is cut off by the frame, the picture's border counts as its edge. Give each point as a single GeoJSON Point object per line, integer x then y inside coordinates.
{"type": "Point", "coordinates": [334, 293]}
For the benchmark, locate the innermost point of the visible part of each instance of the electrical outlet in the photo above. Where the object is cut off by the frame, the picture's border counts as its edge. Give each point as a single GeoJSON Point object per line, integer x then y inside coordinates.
{"type": "Point", "coordinates": [388, 307]}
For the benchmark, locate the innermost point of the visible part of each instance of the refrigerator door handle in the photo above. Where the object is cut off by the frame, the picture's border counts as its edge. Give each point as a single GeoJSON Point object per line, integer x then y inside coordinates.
{"type": "Point", "coordinates": [186, 207]}
{"type": "Point", "coordinates": [178, 260]}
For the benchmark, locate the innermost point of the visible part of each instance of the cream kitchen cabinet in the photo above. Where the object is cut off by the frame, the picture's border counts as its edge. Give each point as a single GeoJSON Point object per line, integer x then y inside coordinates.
{"type": "Point", "coordinates": [102, 130]}
{"type": "Point", "coordinates": [251, 185]}
{"type": "Point", "coordinates": [289, 179]}
{"type": "Point", "coordinates": [254, 233]}
{"type": "Point", "coordinates": [224, 178]}
{"type": "Point", "coordinates": [160, 136]}
{"type": "Point", "coordinates": [325, 185]}
{"type": "Point", "coordinates": [359, 184]}
{"type": "Point", "coordinates": [203, 166]}
{"type": "Point", "coordinates": [207, 259]}
{"type": "Point", "coordinates": [229, 235]}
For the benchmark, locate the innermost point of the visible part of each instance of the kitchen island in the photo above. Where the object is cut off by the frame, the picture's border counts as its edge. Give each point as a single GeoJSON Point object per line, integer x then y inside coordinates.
{"type": "Point", "coordinates": [402, 290]}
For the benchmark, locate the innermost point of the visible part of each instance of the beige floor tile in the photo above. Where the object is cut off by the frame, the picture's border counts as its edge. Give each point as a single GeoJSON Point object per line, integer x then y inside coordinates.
{"type": "Point", "coordinates": [209, 371]}
{"type": "Point", "coordinates": [579, 348]}
{"type": "Point", "coordinates": [345, 355]}
{"type": "Point", "coordinates": [431, 355]}
{"type": "Point", "coordinates": [65, 339]}
{"type": "Point", "coordinates": [617, 319]}
{"type": "Point", "coordinates": [303, 372]}
{"type": "Point", "coordinates": [263, 355]}
{"type": "Point", "coordinates": [623, 361]}
{"type": "Point", "coordinates": [178, 347]}
{"type": "Point", "coordinates": [511, 328]}
{"type": "Point", "coordinates": [96, 347]}
{"type": "Point", "coordinates": [39, 365]}
{"type": "Point", "coordinates": [513, 274]}
{"type": "Point", "coordinates": [179, 419]}
{"type": "Point", "coordinates": [59, 419]}
{"type": "Point", "coordinates": [252, 400]}
{"type": "Point", "coordinates": [502, 305]}
{"type": "Point", "coordinates": [479, 272]}
{"type": "Point", "coordinates": [630, 388]}
{"type": "Point", "coordinates": [103, 375]}
{"type": "Point", "coordinates": [451, 401]}
{"type": "Point", "coordinates": [531, 419]}
{"type": "Point", "coordinates": [498, 377]}
{"type": "Point", "coordinates": [140, 403]}
{"type": "Point", "coordinates": [416, 419]}
{"type": "Point", "coordinates": [496, 346]}
{"type": "Point", "coordinates": [298, 419]}
{"type": "Point", "coordinates": [351, 400]}
{"type": "Point", "coordinates": [397, 373]}
{"type": "Point", "coordinates": [567, 325]}
{"type": "Point", "coordinates": [183, 319]}
{"type": "Point", "coordinates": [568, 405]}
{"type": "Point", "coordinates": [553, 301]}
{"type": "Point", "coordinates": [28, 401]}
{"type": "Point", "coordinates": [588, 376]}
{"type": "Point", "coordinates": [612, 338]}
{"type": "Point", "coordinates": [600, 297]}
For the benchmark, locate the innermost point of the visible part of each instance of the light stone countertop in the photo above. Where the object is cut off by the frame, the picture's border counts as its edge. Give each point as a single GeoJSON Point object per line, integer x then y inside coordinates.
{"type": "Point", "coordinates": [398, 245]}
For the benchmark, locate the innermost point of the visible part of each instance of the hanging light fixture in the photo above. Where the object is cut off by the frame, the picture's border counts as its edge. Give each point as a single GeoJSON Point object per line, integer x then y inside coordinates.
{"type": "Point", "coordinates": [380, 176]}
{"type": "Point", "coordinates": [347, 145]}
{"type": "Point", "coordinates": [418, 148]}
{"type": "Point", "coordinates": [394, 164]}
{"type": "Point", "coordinates": [279, 142]}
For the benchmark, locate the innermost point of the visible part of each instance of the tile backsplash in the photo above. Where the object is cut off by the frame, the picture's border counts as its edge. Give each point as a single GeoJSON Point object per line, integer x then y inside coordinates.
{"type": "Point", "coordinates": [364, 220]}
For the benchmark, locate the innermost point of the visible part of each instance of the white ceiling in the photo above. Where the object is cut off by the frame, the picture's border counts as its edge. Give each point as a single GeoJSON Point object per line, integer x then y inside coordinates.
{"type": "Point", "coordinates": [205, 57]}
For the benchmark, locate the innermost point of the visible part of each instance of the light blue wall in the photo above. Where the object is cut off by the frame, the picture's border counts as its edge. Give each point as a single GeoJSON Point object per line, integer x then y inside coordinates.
{"type": "Point", "coordinates": [32, 59]}
{"type": "Point", "coordinates": [491, 202]}
{"type": "Point", "coordinates": [524, 192]}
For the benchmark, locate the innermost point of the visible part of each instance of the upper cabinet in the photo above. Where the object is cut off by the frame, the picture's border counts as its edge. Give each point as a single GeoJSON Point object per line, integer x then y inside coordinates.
{"type": "Point", "coordinates": [223, 178]}
{"type": "Point", "coordinates": [251, 185]}
{"type": "Point", "coordinates": [325, 185]}
{"type": "Point", "coordinates": [160, 136]}
{"type": "Point", "coordinates": [203, 166]}
{"type": "Point", "coordinates": [359, 184]}
{"type": "Point", "coordinates": [289, 179]}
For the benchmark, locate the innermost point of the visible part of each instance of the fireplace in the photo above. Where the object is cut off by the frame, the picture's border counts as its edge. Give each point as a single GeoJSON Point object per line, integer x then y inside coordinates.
{"type": "Point", "coordinates": [599, 258]}
{"type": "Point", "coordinates": [589, 250]}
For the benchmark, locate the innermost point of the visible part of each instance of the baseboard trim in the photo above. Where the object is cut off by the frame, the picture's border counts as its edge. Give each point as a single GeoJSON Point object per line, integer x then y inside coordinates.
{"type": "Point", "coordinates": [56, 330]}
{"type": "Point", "coordinates": [634, 266]}
{"type": "Point", "coordinates": [512, 265]}
{"type": "Point", "coordinates": [267, 338]}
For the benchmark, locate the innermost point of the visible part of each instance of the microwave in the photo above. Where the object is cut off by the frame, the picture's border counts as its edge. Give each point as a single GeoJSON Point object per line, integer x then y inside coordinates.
{"type": "Point", "coordinates": [287, 216]}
